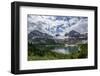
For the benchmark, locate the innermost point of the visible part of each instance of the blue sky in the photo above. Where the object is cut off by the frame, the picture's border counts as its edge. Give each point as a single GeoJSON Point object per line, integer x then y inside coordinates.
{"type": "Point", "coordinates": [57, 24]}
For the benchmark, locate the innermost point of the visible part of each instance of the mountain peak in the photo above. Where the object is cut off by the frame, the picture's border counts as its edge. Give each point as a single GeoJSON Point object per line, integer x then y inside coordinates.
{"type": "Point", "coordinates": [57, 24]}
{"type": "Point", "coordinates": [36, 33]}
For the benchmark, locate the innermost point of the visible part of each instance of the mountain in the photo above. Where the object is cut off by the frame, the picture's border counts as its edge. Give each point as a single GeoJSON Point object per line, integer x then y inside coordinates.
{"type": "Point", "coordinates": [66, 34]}
{"type": "Point", "coordinates": [38, 34]}
{"type": "Point", "coordinates": [37, 37]}
{"type": "Point", "coordinates": [57, 24]}
{"type": "Point", "coordinates": [73, 33]}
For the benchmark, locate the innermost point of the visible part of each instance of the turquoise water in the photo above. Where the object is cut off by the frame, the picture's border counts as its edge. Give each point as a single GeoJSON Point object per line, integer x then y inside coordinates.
{"type": "Point", "coordinates": [66, 50]}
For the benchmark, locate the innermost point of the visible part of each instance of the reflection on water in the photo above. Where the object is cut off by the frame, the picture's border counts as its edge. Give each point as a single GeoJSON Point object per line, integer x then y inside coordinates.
{"type": "Point", "coordinates": [66, 50]}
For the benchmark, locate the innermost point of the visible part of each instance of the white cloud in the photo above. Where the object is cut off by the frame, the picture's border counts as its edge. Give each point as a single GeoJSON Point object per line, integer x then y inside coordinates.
{"type": "Point", "coordinates": [49, 24]}
{"type": "Point", "coordinates": [81, 26]}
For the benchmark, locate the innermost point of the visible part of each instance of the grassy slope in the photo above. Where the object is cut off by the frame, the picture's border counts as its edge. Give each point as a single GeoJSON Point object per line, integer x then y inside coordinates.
{"type": "Point", "coordinates": [42, 52]}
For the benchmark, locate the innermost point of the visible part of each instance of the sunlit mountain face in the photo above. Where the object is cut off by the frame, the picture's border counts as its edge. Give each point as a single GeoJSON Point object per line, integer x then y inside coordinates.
{"type": "Point", "coordinates": [54, 25]}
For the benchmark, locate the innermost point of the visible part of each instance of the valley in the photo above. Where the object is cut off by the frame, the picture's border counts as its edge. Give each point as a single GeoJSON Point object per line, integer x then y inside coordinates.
{"type": "Point", "coordinates": [42, 46]}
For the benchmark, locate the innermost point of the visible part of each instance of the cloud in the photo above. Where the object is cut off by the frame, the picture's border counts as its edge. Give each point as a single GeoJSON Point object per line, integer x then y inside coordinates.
{"type": "Point", "coordinates": [56, 24]}
{"type": "Point", "coordinates": [81, 26]}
